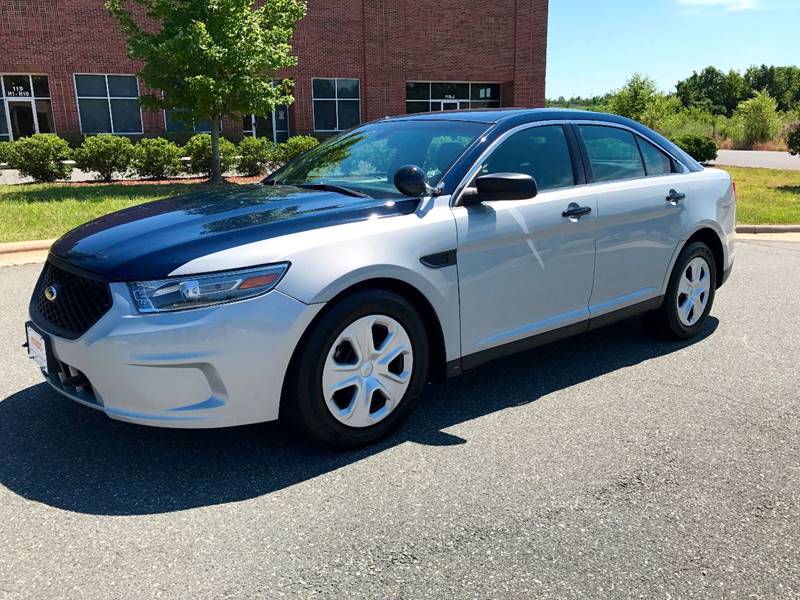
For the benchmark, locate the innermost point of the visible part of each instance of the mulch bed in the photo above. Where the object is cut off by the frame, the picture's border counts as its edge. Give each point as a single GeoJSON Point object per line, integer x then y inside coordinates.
{"type": "Point", "coordinates": [176, 181]}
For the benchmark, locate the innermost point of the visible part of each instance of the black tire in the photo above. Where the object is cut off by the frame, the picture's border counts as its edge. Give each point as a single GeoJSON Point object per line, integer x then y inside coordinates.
{"type": "Point", "coordinates": [304, 406]}
{"type": "Point", "coordinates": [666, 321]}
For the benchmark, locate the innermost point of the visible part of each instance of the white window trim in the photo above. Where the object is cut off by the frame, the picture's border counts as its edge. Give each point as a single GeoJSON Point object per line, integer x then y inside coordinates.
{"type": "Point", "coordinates": [32, 99]}
{"type": "Point", "coordinates": [469, 100]}
{"type": "Point", "coordinates": [108, 98]}
{"type": "Point", "coordinates": [335, 99]}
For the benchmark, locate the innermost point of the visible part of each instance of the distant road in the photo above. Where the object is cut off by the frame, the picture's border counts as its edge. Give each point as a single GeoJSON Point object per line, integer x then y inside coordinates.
{"type": "Point", "coordinates": [755, 158]}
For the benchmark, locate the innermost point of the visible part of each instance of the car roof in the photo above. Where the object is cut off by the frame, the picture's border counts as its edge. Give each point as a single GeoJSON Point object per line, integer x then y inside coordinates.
{"type": "Point", "coordinates": [503, 119]}
{"type": "Point", "coordinates": [499, 115]}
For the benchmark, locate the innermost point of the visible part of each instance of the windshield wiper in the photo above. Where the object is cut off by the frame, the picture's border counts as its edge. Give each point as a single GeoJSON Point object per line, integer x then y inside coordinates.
{"type": "Point", "coordinates": [332, 187]}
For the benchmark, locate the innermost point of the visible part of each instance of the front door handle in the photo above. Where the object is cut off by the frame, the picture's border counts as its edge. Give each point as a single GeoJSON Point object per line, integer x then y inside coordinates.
{"type": "Point", "coordinates": [675, 197]}
{"type": "Point", "coordinates": [574, 211]}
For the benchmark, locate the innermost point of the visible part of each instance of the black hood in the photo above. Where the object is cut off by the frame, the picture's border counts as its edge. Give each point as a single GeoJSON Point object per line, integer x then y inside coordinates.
{"type": "Point", "coordinates": [151, 240]}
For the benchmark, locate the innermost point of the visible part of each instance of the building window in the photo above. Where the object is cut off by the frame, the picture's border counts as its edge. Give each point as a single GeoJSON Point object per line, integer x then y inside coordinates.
{"type": "Point", "coordinates": [427, 96]}
{"type": "Point", "coordinates": [25, 106]}
{"type": "Point", "coordinates": [179, 121]}
{"type": "Point", "coordinates": [108, 103]}
{"type": "Point", "coordinates": [337, 104]}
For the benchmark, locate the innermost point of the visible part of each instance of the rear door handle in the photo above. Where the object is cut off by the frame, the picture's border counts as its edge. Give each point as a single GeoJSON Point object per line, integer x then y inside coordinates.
{"type": "Point", "coordinates": [675, 196]}
{"type": "Point", "coordinates": [574, 211]}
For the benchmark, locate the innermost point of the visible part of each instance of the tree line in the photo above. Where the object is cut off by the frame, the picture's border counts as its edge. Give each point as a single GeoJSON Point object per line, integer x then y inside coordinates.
{"type": "Point", "coordinates": [757, 108]}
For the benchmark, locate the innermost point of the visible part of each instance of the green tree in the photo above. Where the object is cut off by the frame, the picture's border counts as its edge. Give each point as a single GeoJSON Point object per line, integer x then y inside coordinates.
{"type": "Point", "coordinates": [782, 83]}
{"type": "Point", "coordinates": [712, 90]}
{"type": "Point", "coordinates": [759, 118]}
{"type": "Point", "coordinates": [660, 112]}
{"type": "Point", "coordinates": [212, 58]}
{"type": "Point", "coordinates": [635, 96]}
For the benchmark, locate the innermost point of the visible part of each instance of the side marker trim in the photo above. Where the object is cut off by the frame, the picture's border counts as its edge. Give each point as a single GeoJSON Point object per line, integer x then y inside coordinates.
{"type": "Point", "coordinates": [439, 260]}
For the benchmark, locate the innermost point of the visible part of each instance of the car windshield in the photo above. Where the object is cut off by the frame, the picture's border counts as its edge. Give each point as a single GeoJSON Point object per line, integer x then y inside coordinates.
{"type": "Point", "coordinates": [364, 160]}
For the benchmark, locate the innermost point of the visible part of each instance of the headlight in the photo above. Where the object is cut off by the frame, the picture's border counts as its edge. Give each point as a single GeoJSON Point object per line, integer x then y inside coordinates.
{"type": "Point", "coordinates": [195, 291]}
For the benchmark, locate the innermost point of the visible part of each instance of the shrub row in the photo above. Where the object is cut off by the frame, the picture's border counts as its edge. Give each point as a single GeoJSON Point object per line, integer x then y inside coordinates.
{"type": "Point", "coordinates": [42, 156]}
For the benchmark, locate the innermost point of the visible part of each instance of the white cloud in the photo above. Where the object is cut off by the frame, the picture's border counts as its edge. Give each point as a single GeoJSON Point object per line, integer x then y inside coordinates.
{"type": "Point", "coordinates": [723, 4]}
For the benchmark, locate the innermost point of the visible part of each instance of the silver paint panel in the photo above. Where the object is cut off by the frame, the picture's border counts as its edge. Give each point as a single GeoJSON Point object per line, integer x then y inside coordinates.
{"type": "Point", "coordinates": [523, 268]}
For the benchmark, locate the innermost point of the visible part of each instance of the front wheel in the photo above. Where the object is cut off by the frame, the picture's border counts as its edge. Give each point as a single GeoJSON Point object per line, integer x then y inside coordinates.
{"type": "Point", "coordinates": [690, 294]}
{"type": "Point", "coordinates": [360, 370]}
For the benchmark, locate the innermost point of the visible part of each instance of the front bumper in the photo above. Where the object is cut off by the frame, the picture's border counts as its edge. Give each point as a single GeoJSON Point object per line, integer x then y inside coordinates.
{"type": "Point", "coordinates": [210, 367]}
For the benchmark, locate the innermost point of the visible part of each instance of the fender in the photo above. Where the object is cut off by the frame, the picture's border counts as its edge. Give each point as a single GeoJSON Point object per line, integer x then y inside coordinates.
{"type": "Point", "coordinates": [705, 224]}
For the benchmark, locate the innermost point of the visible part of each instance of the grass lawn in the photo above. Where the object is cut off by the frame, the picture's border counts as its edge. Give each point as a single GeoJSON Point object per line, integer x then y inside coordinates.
{"type": "Point", "coordinates": [766, 196]}
{"type": "Point", "coordinates": [42, 211]}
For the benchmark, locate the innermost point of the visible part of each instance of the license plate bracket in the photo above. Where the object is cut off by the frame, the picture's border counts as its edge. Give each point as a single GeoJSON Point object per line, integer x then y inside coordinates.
{"type": "Point", "coordinates": [39, 347]}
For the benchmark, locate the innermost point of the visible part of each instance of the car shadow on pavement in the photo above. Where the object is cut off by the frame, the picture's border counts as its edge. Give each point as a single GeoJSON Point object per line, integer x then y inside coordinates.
{"type": "Point", "coordinates": [67, 456]}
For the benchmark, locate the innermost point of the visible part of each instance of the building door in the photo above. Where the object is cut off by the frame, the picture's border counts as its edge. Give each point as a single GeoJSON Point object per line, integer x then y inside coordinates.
{"type": "Point", "coordinates": [25, 106]}
{"type": "Point", "coordinates": [22, 118]}
{"type": "Point", "coordinates": [449, 105]}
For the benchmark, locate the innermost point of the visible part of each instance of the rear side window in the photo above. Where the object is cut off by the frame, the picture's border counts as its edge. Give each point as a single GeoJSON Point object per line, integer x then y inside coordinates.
{"type": "Point", "coordinates": [540, 152]}
{"type": "Point", "coordinates": [613, 153]}
{"type": "Point", "coordinates": [655, 161]}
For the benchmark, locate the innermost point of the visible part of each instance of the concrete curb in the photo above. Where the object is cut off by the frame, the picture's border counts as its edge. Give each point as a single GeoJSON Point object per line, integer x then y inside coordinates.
{"type": "Point", "coordinates": [768, 229]}
{"type": "Point", "coordinates": [13, 247]}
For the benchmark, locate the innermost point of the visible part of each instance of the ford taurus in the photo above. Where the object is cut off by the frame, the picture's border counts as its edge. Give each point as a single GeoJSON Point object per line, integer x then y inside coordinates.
{"type": "Point", "coordinates": [402, 251]}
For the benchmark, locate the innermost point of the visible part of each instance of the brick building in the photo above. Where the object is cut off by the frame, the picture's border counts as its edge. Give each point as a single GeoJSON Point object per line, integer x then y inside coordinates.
{"type": "Point", "coordinates": [65, 69]}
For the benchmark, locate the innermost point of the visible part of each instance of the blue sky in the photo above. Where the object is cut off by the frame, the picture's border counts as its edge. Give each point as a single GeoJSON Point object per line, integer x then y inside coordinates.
{"type": "Point", "coordinates": [595, 45]}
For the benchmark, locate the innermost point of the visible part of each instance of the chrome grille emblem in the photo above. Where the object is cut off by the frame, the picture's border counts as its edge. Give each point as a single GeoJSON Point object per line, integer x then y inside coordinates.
{"type": "Point", "coordinates": [51, 293]}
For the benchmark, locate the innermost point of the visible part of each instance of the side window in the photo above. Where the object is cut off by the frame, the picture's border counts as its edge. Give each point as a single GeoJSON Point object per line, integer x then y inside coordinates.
{"type": "Point", "coordinates": [613, 153]}
{"type": "Point", "coordinates": [655, 161]}
{"type": "Point", "coordinates": [540, 152]}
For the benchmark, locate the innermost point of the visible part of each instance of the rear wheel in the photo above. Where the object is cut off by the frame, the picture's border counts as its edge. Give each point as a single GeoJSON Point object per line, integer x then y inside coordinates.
{"type": "Point", "coordinates": [690, 294]}
{"type": "Point", "coordinates": [360, 370]}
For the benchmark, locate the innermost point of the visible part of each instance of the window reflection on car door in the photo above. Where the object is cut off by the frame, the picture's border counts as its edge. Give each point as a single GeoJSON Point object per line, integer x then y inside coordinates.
{"type": "Point", "coordinates": [523, 267]}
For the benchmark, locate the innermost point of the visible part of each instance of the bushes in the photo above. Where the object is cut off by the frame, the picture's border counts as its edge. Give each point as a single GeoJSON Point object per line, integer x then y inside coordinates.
{"type": "Point", "coordinates": [105, 153]}
{"type": "Point", "coordinates": [293, 147]}
{"type": "Point", "coordinates": [792, 139]}
{"type": "Point", "coordinates": [157, 158]}
{"type": "Point", "coordinates": [5, 151]}
{"type": "Point", "coordinates": [255, 155]}
{"type": "Point", "coordinates": [198, 148]}
{"type": "Point", "coordinates": [699, 147]}
{"type": "Point", "coordinates": [41, 157]}
{"type": "Point", "coordinates": [758, 119]}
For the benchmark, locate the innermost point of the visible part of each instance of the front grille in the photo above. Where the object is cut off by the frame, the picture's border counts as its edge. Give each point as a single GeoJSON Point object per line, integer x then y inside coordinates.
{"type": "Point", "coordinates": [78, 304]}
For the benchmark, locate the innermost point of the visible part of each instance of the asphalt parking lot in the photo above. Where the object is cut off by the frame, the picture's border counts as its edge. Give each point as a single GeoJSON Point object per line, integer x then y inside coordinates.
{"type": "Point", "coordinates": [611, 465]}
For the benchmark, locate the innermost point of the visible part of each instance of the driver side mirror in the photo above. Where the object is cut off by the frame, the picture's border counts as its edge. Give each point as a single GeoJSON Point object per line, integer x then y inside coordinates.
{"type": "Point", "coordinates": [410, 180]}
{"type": "Point", "coordinates": [500, 186]}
